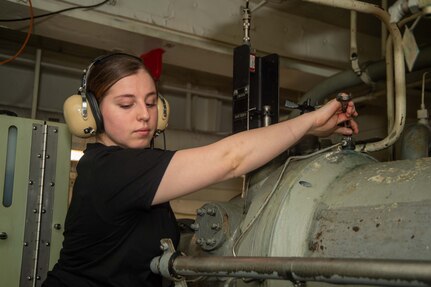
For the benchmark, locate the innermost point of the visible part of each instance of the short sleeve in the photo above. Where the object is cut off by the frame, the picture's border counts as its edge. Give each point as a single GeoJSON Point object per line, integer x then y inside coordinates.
{"type": "Point", "coordinates": [128, 178]}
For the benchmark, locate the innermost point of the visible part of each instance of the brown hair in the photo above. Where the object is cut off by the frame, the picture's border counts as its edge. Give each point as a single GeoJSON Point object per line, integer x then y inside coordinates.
{"type": "Point", "coordinates": [109, 69]}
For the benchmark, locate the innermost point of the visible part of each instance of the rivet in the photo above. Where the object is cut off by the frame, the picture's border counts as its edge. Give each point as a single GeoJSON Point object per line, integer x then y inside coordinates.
{"type": "Point", "coordinates": [30, 182]}
{"type": "Point", "coordinates": [47, 156]}
{"type": "Point", "coordinates": [47, 243]}
{"type": "Point", "coordinates": [55, 130]}
{"type": "Point", "coordinates": [25, 244]}
{"type": "Point", "coordinates": [57, 226]}
{"type": "Point", "coordinates": [43, 210]}
{"type": "Point", "coordinates": [35, 210]}
{"type": "Point", "coordinates": [38, 277]}
{"type": "Point", "coordinates": [39, 155]}
{"type": "Point", "coordinates": [29, 277]}
{"type": "Point", "coordinates": [34, 128]}
{"type": "Point", "coordinates": [52, 183]}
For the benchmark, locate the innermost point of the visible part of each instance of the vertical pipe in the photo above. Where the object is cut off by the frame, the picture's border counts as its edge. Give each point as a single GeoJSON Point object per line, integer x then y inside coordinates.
{"type": "Point", "coordinates": [384, 30]}
{"type": "Point", "coordinates": [36, 82]}
{"type": "Point", "coordinates": [390, 103]}
{"type": "Point", "coordinates": [189, 104]}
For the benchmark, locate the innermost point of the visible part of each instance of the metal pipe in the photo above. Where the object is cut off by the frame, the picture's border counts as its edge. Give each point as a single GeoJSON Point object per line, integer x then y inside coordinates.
{"type": "Point", "coordinates": [36, 82]}
{"type": "Point", "coordinates": [400, 112]}
{"type": "Point", "coordinates": [384, 32]}
{"type": "Point", "coordinates": [346, 271]}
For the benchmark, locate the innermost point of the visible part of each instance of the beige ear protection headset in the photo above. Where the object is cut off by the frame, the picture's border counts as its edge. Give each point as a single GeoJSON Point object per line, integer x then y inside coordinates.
{"type": "Point", "coordinates": [82, 114]}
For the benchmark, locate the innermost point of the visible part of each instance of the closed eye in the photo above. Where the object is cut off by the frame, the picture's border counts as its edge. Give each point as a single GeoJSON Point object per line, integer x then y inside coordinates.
{"type": "Point", "coordinates": [126, 106]}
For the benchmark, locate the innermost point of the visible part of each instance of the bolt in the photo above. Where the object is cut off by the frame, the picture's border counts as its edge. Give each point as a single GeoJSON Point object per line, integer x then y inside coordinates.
{"type": "Point", "coordinates": [200, 211]}
{"type": "Point", "coordinates": [200, 241]}
{"type": "Point", "coordinates": [211, 242]}
{"type": "Point", "coordinates": [215, 226]}
{"type": "Point", "coordinates": [211, 211]}
{"type": "Point", "coordinates": [194, 226]}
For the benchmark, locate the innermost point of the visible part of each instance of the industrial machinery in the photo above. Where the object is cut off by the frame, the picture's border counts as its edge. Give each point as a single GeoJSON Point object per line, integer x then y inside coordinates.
{"type": "Point", "coordinates": [329, 215]}
{"type": "Point", "coordinates": [316, 215]}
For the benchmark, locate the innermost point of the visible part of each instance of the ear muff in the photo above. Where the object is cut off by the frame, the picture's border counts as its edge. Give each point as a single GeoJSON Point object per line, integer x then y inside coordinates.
{"type": "Point", "coordinates": [163, 110]}
{"type": "Point", "coordinates": [81, 123]}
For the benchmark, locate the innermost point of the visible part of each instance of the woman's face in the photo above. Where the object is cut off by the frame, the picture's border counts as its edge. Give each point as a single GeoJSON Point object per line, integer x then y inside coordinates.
{"type": "Point", "coordinates": [129, 111]}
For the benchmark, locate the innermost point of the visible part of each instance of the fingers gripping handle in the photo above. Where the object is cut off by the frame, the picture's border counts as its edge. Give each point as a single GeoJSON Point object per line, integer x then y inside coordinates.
{"type": "Point", "coordinates": [344, 99]}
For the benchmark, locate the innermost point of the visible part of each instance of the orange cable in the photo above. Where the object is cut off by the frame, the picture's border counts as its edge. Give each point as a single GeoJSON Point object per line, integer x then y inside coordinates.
{"type": "Point", "coordinates": [30, 29]}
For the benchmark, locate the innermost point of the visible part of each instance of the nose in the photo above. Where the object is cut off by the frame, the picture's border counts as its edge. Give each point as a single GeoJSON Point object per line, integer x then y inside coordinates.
{"type": "Point", "coordinates": [143, 113]}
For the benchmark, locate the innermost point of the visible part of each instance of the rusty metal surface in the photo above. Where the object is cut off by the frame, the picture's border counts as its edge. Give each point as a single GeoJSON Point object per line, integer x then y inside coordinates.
{"type": "Point", "coordinates": [396, 231]}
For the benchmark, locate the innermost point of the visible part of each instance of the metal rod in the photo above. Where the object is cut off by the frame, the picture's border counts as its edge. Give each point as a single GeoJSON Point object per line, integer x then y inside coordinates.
{"type": "Point", "coordinates": [331, 270]}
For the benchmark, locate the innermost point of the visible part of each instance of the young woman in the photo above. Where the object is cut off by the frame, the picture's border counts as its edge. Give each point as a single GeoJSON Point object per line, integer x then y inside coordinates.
{"type": "Point", "coordinates": [120, 204]}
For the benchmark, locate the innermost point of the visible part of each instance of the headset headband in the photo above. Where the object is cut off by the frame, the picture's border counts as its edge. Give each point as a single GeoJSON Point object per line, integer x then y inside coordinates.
{"type": "Point", "coordinates": [82, 91]}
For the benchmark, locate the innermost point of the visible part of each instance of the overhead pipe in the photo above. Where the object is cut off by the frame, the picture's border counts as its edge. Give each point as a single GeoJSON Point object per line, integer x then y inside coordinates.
{"type": "Point", "coordinates": [400, 112]}
{"type": "Point", "coordinates": [381, 272]}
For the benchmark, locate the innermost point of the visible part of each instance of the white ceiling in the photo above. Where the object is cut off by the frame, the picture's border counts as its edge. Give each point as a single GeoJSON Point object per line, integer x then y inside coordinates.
{"type": "Point", "coordinates": [201, 35]}
{"type": "Point", "coordinates": [312, 40]}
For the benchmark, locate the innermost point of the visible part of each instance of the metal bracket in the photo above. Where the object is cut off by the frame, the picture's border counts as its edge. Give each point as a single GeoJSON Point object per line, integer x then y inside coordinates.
{"type": "Point", "coordinates": [163, 264]}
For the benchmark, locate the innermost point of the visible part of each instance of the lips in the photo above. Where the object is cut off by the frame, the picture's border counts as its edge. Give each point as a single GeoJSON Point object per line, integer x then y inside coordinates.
{"type": "Point", "coordinates": [142, 132]}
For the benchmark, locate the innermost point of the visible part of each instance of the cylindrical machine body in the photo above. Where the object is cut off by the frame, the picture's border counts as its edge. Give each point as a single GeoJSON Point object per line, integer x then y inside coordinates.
{"type": "Point", "coordinates": [341, 204]}
{"type": "Point", "coordinates": [344, 205]}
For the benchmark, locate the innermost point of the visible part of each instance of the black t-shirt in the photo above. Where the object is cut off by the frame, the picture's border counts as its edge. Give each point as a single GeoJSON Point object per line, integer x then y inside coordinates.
{"type": "Point", "coordinates": [112, 232]}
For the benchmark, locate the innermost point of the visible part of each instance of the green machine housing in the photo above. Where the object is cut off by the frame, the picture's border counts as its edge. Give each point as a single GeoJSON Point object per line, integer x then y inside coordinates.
{"type": "Point", "coordinates": [34, 184]}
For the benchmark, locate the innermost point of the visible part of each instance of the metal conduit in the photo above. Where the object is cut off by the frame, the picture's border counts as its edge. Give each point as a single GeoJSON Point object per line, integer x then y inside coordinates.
{"type": "Point", "coordinates": [340, 271]}
{"type": "Point", "coordinates": [400, 90]}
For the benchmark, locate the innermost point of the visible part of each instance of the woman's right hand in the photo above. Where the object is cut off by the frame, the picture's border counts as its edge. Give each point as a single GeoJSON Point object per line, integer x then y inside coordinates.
{"type": "Point", "coordinates": [328, 118]}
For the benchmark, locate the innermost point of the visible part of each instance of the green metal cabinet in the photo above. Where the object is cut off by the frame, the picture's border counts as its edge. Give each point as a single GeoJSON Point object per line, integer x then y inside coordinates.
{"type": "Point", "coordinates": [34, 184]}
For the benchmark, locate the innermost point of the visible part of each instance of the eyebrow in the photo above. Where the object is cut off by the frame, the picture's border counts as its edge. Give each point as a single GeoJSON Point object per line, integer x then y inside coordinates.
{"type": "Point", "coordinates": [133, 96]}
